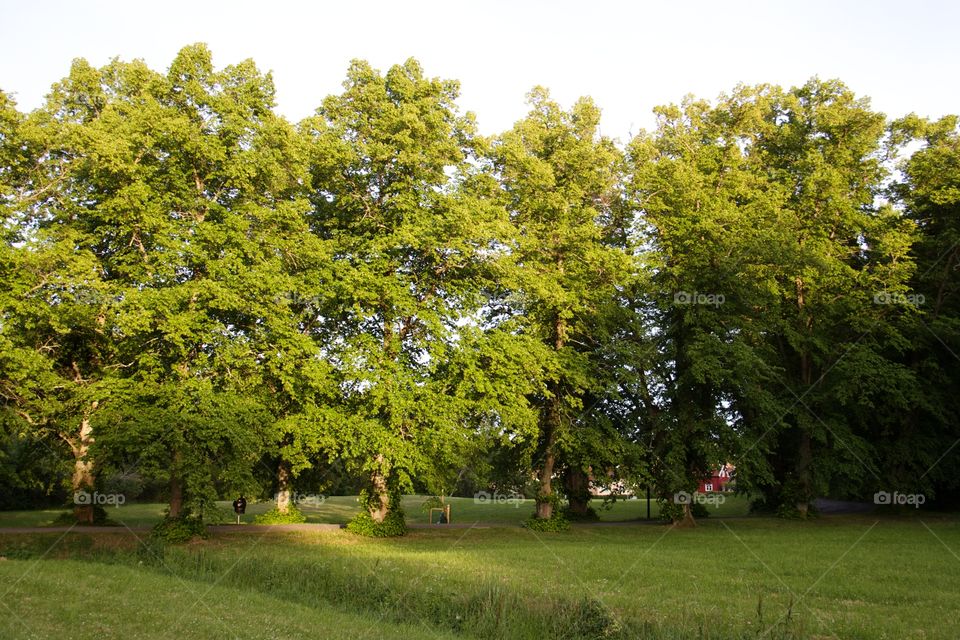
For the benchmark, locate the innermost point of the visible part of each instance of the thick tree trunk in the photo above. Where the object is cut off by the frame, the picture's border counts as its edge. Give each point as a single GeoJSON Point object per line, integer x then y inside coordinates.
{"type": "Point", "coordinates": [692, 407]}
{"type": "Point", "coordinates": [176, 497]}
{"type": "Point", "coordinates": [379, 505]}
{"type": "Point", "coordinates": [83, 473]}
{"type": "Point", "coordinates": [545, 507]}
{"type": "Point", "coordinates": [687, 519]}
{"type": "Point", "coordinates": [284, 489]}
{"type": "Point", "coordinates": [576, 484]}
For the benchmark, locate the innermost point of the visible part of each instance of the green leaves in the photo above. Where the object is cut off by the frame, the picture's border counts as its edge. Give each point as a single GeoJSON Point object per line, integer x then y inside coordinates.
{"type": "Point", "coordinates": [415, 248]}
{"type": "Point", "coordinates": [217, 291]}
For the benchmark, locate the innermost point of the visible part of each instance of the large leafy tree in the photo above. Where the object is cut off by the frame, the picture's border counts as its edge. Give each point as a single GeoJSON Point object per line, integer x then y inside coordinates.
{"type": "Point", "coordinates": [169, 201]}
{"type": "Point", "coordinates": [819, 147]}
{"type": "Point", "coordinates": [229, 199]}
{"type": "Point", "coordinates": [56, 343]}
{"type": "Point", "coordinates": [920, 441]}
{"type": "Point", "coordinates": [704, 387]}
{"type": "Point", "coordinates": [561, 184]}
{"type": "Point", "coordinates": [415, 240]}
{"type": "Point", "coordinates": [772, 255]}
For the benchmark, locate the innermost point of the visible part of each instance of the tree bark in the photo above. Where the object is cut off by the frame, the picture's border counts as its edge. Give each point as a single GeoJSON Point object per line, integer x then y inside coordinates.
{"type": "Point", "coordinates": [83, 471]}
{"type": "Point", "coordinates": [283, 487]}
{"type": "Point", "coordinates": [544, 506]}
{"type": "Point", "coordinates": [576, 484]}
{"type": "Point", "coordinates": [379, 505]}
{"type": "Point", "coordinates": [687, 519]}
{"type": "Point", "coordinates": [804, 482]}
{"type": "Point", "coordinates": [550, 427]}
{"type": "Point", "coordinates": [176, 488]}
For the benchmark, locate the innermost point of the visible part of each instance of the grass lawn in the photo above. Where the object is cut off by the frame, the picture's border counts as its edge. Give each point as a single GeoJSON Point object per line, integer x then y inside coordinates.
{"type": "Point", "coordinates": [76, 599]}
{"type": "Point", "coordinates": [835, 577]}
{"type": "Point", "coordinates": [339, 510]}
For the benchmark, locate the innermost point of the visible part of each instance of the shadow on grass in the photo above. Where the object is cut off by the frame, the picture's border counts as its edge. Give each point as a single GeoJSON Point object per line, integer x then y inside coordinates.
{"type": "Point", "coordinates": [417, 589]}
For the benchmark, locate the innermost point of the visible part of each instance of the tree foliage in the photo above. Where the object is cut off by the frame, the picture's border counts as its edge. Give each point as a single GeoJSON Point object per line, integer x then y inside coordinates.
{"type": "Point", "coordinates": [198, 292]}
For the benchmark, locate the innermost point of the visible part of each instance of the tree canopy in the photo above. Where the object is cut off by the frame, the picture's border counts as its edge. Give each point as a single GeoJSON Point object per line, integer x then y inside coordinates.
{"type": "Point", "coordinates": [208, 298]}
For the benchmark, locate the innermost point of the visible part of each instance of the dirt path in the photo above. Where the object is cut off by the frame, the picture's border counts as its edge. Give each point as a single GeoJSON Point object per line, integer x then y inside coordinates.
{"type": "Point", "coordinates": [309, 527]}
{"type": "Point", "coordinates": [826, 507]}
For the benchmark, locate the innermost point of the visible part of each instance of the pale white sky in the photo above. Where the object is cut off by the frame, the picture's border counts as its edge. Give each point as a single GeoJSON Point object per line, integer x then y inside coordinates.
{"type": "Point", "coordinates": [630, 56]}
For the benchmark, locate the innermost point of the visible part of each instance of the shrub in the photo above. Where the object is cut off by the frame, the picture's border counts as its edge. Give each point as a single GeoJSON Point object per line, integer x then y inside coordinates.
{"type": "Point", "coordinates": [100, 518]}
{"type": "Point", "coordinates": [275, 516]}
{"type": "Point", "coordinates": [699, 510]}
{"type": "Point", "coordinates": [178, 530]}
{"type": "Point", "coordinates": [589, 516]}
{"type": "Point", "coordinates": [555, 523]}
{"type": "Point", "coordinates": [670, 511]}
{"type": "Point", "coordinates": [590, 619]}
{"type": "Point", "coordinates": [393, 525]}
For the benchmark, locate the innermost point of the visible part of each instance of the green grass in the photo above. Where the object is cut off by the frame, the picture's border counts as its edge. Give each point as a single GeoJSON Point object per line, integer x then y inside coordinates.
{"type": "Point", "coordinates": [837, 577]}
{"type": "Point", "coordinates": [340, 509]}
{"type": "Point", "coordinates": [75, 599]}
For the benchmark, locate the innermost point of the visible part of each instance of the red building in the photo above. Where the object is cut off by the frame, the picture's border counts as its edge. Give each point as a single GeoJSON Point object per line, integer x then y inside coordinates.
{"type": "Point", "coordinates": [719, 480]}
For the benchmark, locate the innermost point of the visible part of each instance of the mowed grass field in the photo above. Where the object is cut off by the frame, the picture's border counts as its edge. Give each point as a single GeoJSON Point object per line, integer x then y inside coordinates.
{"type": "Point", "coordinates": [340, 509]}
{"type": "Point", "coordinates": [834, 577]}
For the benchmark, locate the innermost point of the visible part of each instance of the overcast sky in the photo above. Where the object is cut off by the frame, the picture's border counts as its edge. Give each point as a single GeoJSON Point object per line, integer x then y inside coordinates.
{"type": "Point", "coordinates": [629, 56]}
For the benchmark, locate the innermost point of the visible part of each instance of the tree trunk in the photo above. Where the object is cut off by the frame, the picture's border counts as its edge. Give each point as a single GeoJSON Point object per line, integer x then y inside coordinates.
{"type": "Point", "coordinates": [551, 426]}
{"type": "Point", "coordinates": [544, 506]}
{"type": "Point", "coordinates": [379, 505]}
{"type": "Point", "coordinates": [83, 472]}
{"type": "Point", "coordinates": [176, 488]}
{"type": "Point", "coordinates": [804, 482]}
{"type": "Point", "coordinates": [283, 487]}
{"type": "Point", "coordinates": [176, 497]}
{"type": "Point", "coordinates": [576, 484]}
{"type": "Point", "coordinates": [687, 519]}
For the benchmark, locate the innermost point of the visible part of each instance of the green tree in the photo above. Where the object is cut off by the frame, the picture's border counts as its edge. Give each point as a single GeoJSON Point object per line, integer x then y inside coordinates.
{"type": "Point", "coordinates": [172, 198]}
{"type": "Point", "coordinates": [561, 184]}
{"type": "Point", "coordinates": [708, 303]}
{"type": "Point", "coordinates": [920, 439]}
{"type": "Point", "coordinates": [772, 255]}
{"type": "Point", "coordinates": [56, 344]}
{"type": "Point", "coordinates": [415, 240]}
{"type": "Point", "coordinates": [840, 254]}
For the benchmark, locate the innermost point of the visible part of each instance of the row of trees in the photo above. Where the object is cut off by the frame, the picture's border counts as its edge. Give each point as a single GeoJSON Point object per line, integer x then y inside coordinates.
{"type": "Point", "coordinates": [198, 290]}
